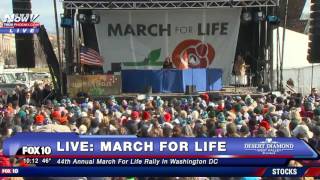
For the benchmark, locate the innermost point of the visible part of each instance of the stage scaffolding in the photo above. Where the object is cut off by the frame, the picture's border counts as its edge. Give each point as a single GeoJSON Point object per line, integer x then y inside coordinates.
{"type": "Point", "coordinates": [165, 4]}
{"type": "Point", "coordinates": [72, 7]}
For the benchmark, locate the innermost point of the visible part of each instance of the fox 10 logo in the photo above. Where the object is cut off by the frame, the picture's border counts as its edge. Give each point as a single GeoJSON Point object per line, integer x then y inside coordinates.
{"type": "Point", "coordinates": [20, 24]}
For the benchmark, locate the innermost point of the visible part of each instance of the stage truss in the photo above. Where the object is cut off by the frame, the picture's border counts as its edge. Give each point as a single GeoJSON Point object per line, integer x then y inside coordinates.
{"type": "Point", "coordinates": [165, 4]}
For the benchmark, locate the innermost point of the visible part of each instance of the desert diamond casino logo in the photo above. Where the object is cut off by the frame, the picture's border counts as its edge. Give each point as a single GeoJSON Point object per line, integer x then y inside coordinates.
{"type": "Point", "coordinates": [269, 147]}
{"type": "Point", "coordinates": [19, 24]}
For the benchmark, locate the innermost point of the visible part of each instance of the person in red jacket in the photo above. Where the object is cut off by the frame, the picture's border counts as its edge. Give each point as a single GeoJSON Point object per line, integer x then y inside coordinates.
{"type": "Point", "coordinates": [4, 161]}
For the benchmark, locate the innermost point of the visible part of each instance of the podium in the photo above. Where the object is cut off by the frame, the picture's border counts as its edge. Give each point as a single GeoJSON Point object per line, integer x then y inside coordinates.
{"type": "Point", "coordinates": [171, 80]}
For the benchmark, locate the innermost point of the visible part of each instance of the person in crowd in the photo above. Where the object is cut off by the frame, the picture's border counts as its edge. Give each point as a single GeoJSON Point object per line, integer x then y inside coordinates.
{"type": "Point", "coordinates": [239, 69]}
{"type": "Point", "coordinates": [314, 95]}
{"type": "Point", "coordinates": [47, 92]}
{"type": "Point", "coordinates": [27, 100]}
{"type": "Point", "coordinates": [37, 94]}
{"type": "Point", "coordinates": [167, 64]}
{"type": "Point", "coordinates": [194, 116]}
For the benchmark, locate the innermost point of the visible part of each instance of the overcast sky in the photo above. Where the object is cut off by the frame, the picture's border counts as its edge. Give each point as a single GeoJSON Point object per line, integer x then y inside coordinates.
{"type": "Point", "coordinates": [42, 7]}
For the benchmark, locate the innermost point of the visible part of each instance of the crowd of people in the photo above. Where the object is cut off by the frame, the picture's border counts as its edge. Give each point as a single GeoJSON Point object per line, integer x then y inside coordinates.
{"type": "Point", "coordinates": [194, 116]}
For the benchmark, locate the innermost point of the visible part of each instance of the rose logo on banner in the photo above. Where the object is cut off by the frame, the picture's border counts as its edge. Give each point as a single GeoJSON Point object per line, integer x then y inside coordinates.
{"type": "Point", "coordinates": [192, 53]}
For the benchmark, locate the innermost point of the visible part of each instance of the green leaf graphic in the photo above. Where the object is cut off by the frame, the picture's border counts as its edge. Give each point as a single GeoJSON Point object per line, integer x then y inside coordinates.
{"type": "Point", "coordinates": [151, 60]}
{"type": "Point", "coordinates": [154, 56]}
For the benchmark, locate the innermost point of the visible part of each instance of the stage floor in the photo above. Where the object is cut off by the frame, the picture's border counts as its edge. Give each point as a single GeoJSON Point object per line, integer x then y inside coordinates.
{"type": "Point", "coordinates": [226, 91]}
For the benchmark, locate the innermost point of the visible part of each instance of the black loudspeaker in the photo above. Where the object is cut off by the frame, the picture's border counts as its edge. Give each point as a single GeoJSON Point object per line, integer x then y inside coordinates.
{"type": "Point", "coordinates": [191, 89]}
{"type": "Point", "coordinates": [116, 67]}
{"type": "Point", "coordinates": [314, 33]}
{"type": "Point", "coordinates": [24, 42]}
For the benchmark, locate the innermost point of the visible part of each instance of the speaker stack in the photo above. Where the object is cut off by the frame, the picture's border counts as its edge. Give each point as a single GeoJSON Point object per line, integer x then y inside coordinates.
{"type": "Point", "coordinates": [24, 42]}
{"type": "Point", "coordinates": [191, 89]}
{"type": "Point", "coordinates": [314, 33]}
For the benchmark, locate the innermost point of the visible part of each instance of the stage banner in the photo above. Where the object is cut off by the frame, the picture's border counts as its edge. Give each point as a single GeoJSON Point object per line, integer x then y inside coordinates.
{"type": "Point", "coordinates": [194, 38]}
{"type": "Point", "coordinates": [94, 85]}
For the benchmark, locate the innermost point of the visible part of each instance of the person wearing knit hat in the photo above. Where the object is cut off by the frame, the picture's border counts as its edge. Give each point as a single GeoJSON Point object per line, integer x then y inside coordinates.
{"type": "Point", "coordinates": [302, 131]}
{"type": "Point", "coordinates": [238, 119]}
{"type": "Point", "coordinates": [204, 115]}
{"type": "Point", "coordinates": [159, 102]}
{"type": "Point", "coordinates": [148, 106]}
{"type": "Point", "coordinates": [203, 104]}
{"type": "Point", "coordinates": [283, 132]}
{"type": "Point", "coordinates": [97, 113]}
{"type": "Point", "coordinates": [63, 101]}
{"type": "Point", "coordinates": [220, 106]}
{"type": "Point", "coordinates": [135, 115]}
{"type": "Point", "coordinates": [221, 118]}
{"type": "Point", "coordinates": [22, 114]}
{"type": "Point", "coordinates": [316, 132]}
{"type": "Point", "coordinates": [315, 140]}
{"type": "Point", "coordinates": [195, 115]}
{"type": "Point", "coordinates": [16, 129]}
{"type": "Point", "coordinates": [230, 116]}
{"type": "Point", "coordinates": [265, 124]}
{"type": "Point", "coordinates": [83, 115]}
{"type": "Point", "coordinates": [183, 114]}
{"type": "Point", "coordinates": [205, 97]}
{"type": "Point", "coordinates": [307, 110]}
{"type": "Point", "coordinates": [219, 131]}
{"type": "Point", "coordinates": [184, 102]}
{"type": "Point", "coordinates": [167, 117]}
{"type": "Point", "coordinates": [90, 105]}
{"type": "Point", "coordinates": [83, 129]}
{"type": "Point", "coordinates": [258, 110]}
{"type": "Point", "coordinates": [212, 114]}
{"type": "Point", "coordinates": [39, 119]}
{"type": "Point", "coordinates": [4, 161]}
{"type": "Point", "coordinates": [244, 131]}
{"type": "Point", "coordinates": [190, 100]}
{"type": "Point", "coordinates": [63, 120]}
{"type": "Point", "coordinates": [228, 106]}
{"type": "Point", "coordinates": [146, 116]}
{"type": "Point", "coordinates": [261, 132]}
{"type": "Point", "coordinates": [248, 100]}
{"type": "Point", "coordinates": [316, 111]}
{"type": "Point", "coordinates": [237, 107]}
{"type": "Point", "coordinates": [124, 104]}
{"type": "Point", "coordinates": [295, 115]}
{"type": "Point", "coordinates": [232, 130]}
{"type": "Point", "coordinates": [55, 116]}
{"type": "Point", "coordinates": [238, 98]}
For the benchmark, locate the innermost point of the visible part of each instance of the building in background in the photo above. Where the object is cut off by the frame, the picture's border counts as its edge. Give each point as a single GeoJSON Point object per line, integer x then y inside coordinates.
{"type": "Point", "coordinates": [7, 50]}
{"type": "Point", "coordinates": [40, 57]}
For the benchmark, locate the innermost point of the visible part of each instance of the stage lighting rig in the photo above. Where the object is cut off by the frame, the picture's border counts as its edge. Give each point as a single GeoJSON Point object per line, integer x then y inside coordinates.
{"type": "Point", "coordinates": [246, 16]}
{"type": "Point", "coordinates": [95, 19]}
{"type": "Point", "coordinates": [90, 19]}
{"type": "Point", "coordinates": [274, 20]}
{"type": "Point", "coordinates": [82, 18]}
{"type": "Point", "coordinates": [259, 16]}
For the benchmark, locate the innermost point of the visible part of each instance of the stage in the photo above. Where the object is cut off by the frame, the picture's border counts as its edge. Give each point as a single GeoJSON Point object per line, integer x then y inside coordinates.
{"type": "Point", "coordinates": [102, 86]}
{"type": "Point", "coordinates": [171, 80]}
{"type": "Point", "coordinates": [226, 91]}
{"type": "Point", "coordinates": [136, 51]}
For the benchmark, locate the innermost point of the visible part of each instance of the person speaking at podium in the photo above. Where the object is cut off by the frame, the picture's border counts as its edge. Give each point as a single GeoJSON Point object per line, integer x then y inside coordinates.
{"type": "Point", "coordinates": [167, 64]}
